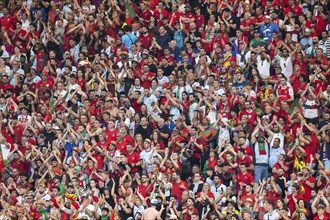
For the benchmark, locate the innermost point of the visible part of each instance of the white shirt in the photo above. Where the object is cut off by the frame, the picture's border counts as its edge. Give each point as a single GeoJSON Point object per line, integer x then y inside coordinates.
{"type": "Point", "coordinates": [148, 100]}
{"type": "Point", "coordinates": [224, 135]}
{"type": "Point", "coordinates": [311, 112]}
{"type": "Point", "coordinates": [5, 54]}
{"type": "Point", "coordinates": [114, 155]}
{"type": "Point", "coordinates": [24, 118]}
{"type": "Point", "coordinates": [286, 65]}
{"type": "Point", "coordinates": [36, 79]}
{"type": "Point", "coordinates": [263, 67]}
{"type": "Point", "coordinates": [217, 191]}
{"type": "Point", "coordinates": [141, 90]}
{"type": "Point", "coordinates": [192, 109]}
{"type": "Point", "coordinates": [272, 216]}
{"type": "Point", "coordinates": [146, 157]}
{"type": "Point", "coordinates": [212, 115]}
{"type": "Point", "coordinates": [179, 89]}
{"type": "Point", "coordinates": [5, 151]}
{"type": "Point", "coordinates": [245, 60]}
{"type": "Point", "coordinates": [162, 80]}
{"type": "Point", "coordinates": [25, 24]}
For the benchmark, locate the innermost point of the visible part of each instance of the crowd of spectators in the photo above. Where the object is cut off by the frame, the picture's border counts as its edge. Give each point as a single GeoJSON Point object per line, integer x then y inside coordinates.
{"type": "Point", "coordinates": [173, 109]}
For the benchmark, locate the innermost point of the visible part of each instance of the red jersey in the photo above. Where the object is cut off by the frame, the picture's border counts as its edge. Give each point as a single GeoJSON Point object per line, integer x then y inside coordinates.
{"type": "Point", "coordinates": [111, 135]}
{"type": "Point", "coordinates": [325, 217]}
{"type": "Point", "coordinates": [146, 15]}
{"type": "Point", "coordinates": [308, 191]}
{"type": "Point", "coordinates": [146, 79]}
{"type": "Point", "coordinates": [248, 150]}
{"type": "Point", "coordinates": [133, 158]}
{"type": "Point", "coordinates": [164, 13]}
{"type": "Point", "coordinates": [178, 139]}
{"type": "Point", "coordinates": [3, 88]}
{"type": "Point", "coordinates": [189, 15]}
{"type": "Point", "coordinates": [177, 190]}
{"type": "Point", "coordinates": [252, 116]}
{"type": "Point", "coordinates": [200, 20]}
{"type": "Point", "coordinates": [121, 147]}
{"type": "Point", "coordinates": [246, 178]}
{"type": "Point", "coordinates": [43, 86]}
{"type": "Point", "coordinates": [128, 138]}
{"type": "Point", "coordinates": [291, 203]}
{"type": "Point", "coordinates": [8, 22]}
{"type": "Point", "coordinates": [145, 40]}
{"type": "Point", "coordinates": [176, 17]}
{"type": "Point", "coordinates": [311, 148]}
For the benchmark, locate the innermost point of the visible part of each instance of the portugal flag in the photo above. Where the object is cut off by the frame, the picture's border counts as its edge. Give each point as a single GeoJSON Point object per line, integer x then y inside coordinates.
{"type": "Point", "coordinates": [130, 14]}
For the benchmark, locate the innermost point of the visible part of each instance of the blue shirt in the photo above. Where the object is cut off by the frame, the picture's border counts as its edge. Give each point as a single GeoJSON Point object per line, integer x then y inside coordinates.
{"type": "Point", "coordinates": [306, 42]}
{"type": "Point", "coordinates": [266, 31]}
{"type": "Point", "coordinates": [68, 147]}
{"type": "Point", "coordinates": [128, 40]}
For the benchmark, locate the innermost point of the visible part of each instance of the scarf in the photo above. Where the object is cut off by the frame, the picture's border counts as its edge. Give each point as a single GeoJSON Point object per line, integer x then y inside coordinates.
{"type": "Point", "coordinates": [262, 146]}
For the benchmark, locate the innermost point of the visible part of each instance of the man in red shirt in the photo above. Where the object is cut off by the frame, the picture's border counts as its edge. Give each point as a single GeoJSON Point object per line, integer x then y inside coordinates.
{"type": "Point", "coordinates": [133, 158]}
{"type": "Point", "coordinates": [250, 113]}
{"type": "Point", "coordinates": [308, 182]}
{"type": "Point", "coordinates": [7, 21]}
{"type": "Point", "coordinates": [143, 185]}
{"type": "Point", "coordinates": [43, 85]}
{"type": "Point", "coordinates": [41, 57]}
{"type": "Point", "coordinates": [200, 19]}
{"type": "Point", "coordinates": [5, 84]}
{"type": "Point", "coordinates": [243, 179]}
{"type": "Point", "coordinates": [145, 37]}
{"type": "Point", "coordinates": [20, 34]}
{"type": "Point", "coordinates": [248, 194]}
{"type": "Point", "coordinates": [111, 131]}
{"type": "Point", "coordinates": [243, 159]}
{"type": "Point", "coordinates": [187, 17]}
{"type": "Point", "coordinates": [121, 144]}
{"type": "Point", "coordinates": [242, 145]}
{"type": "Point", "coordinates": [144, 14]}
{"type": "Point", "coordinates": [160, 11]}
{"type": "Point", "coordinates": [146, 76]}
{"type": "Point", "coordinates": [178, 185]}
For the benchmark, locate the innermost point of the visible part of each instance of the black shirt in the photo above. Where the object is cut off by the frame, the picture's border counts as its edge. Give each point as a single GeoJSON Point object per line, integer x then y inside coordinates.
{"type": "Point", "coordinates": [145, 132]}
{"type": "Point", "coordinates": [232, 31]}
{"type": "Point", "coordinates": [193, 37]}
{"type": "Point", "coordinates": [165, 130]}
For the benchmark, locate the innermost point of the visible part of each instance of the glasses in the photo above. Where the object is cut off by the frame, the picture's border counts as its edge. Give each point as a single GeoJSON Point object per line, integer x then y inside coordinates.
{"type": "Point", "coordinates": [108, 100]}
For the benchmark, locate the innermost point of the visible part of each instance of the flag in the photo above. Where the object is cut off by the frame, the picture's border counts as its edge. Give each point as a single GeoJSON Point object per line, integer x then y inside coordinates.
{"type": "Point", "coordinates": [294, 105]}
{"type": "Point", "coordinates": [51, 104]}
{"type": "Point", "coordinates": [262, 146]}
{"type": "Point", "coordinates": [130, 14]}
{"type": "Point", "coordinates": [262, 149]}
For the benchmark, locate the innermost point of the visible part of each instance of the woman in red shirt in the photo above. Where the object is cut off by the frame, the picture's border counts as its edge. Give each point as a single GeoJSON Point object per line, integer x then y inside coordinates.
{"type": "Point", "coordinates": [157, 142]}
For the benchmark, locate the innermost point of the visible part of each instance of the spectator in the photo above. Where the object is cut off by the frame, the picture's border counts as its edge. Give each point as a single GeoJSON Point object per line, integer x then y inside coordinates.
{"type": "Point", "coordinates": [164, 110]}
